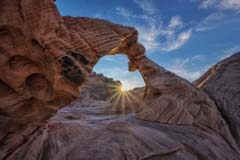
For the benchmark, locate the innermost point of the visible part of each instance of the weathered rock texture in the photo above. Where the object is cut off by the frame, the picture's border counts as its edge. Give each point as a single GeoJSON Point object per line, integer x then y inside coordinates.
{"type": "Point", "coordinates": [45, 59]}
{"type": "Point", "coordinates": [222, 84]}
{"type": "Point", "coordinates": [42, 60]}
{"type": "Point", "coordinates": [97, 131]}
{"type": "Point", "coordinates": [173, 100]}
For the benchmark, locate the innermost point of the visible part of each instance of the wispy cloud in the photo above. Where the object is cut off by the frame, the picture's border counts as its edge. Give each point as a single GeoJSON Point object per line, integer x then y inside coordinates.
{"type": "Point", "coordinates": [198, 58]}
{"type": "Point", "coordinates": [176, 22]}
{"type": "Point", "coordinates": [230, 4]}
{"type": "Point", "coordinates": [123, 12]}
{"type": "Point", "coordinates": [182, 67]}
{"type": "Point", "coordinates": [150, 34]}
{"type": "Point", "coordinates": [215, 20]}
{"type": "Point", "coordinates": [153, 35]}
{"type": "Point", "coordinates": [227, 53]}
{"type": "Point", "coordinates": [98, 15]}
{"type": "Point", "coordinates": [207, 3]}
{"type": "Point", "coordinates": [146, 6]}
{"type": "Point", "coordinates": [129, 14]}
{"type": "Point", "coordinates": [233, 49]}
{"type": "Point", "coordinates": [221, 4]}
{"type": "Point", "coordinates": [176, 42]}
{"type": "Point", "coordinates": [210, 22]}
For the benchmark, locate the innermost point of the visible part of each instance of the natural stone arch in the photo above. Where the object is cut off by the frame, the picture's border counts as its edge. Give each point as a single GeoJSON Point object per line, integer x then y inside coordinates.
{"type": "Point", "coordinates": [46, 39]}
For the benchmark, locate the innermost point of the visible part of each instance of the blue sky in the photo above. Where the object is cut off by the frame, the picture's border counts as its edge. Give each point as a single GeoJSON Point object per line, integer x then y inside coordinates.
{"type": "Point", "coordinates": [184, 36]}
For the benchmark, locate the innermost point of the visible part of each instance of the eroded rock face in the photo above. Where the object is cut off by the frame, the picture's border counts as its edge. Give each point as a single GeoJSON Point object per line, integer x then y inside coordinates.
{"type": "Point", "coordinates": [43, 60]}
{"type": "Point", "coordinates": [95, 130]}
{"type": "Point", "coordinates": [46, 58]}
{"type": "Point", "coordinates": [172, 100]}
{"type": "Point", "coordinates": [222, 84]}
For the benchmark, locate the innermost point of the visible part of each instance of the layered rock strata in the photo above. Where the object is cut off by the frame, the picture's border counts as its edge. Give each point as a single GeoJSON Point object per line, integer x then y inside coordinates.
{"type": "Point", "coordinates": [45, 59]}
{"type": "Point", "coordinates": [94, 130]}
{"type": "Point", "coordinates": [222, 84]}
{"type": "Point", "coordinates": [173, 100]}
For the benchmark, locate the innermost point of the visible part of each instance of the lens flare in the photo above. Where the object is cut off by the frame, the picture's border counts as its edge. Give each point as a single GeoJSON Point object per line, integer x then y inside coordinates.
{"type": "Point", "coordinates": [123, 99]}
{"type": "Point", "coordinates": [122, 89]}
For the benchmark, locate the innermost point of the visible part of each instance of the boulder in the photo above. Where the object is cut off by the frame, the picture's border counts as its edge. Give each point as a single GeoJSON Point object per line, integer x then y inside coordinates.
{"type": "Point", "coordinates": [222, 84]}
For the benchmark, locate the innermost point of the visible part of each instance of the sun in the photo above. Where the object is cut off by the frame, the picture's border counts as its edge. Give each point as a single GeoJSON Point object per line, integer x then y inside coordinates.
{"type": "Point", "coordinates": [122, 89]}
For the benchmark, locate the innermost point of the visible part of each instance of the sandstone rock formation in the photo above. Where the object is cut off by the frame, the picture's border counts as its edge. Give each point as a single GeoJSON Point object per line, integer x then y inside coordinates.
{"type": "Point", "coordinates": [172, 100]}
{"type": "Point", "coordinates": [42, 62]}
{"type": "Point", "coordinates": [221, 83]}
{"type": "Point", "coordinates": [95, 131]}
{"type": "Point", "coordinates": [46, 62]}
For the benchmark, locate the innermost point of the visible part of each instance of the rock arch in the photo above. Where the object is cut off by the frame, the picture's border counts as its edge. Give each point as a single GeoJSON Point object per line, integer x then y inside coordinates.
{"type": "Point", "coordinates": [60, 52]}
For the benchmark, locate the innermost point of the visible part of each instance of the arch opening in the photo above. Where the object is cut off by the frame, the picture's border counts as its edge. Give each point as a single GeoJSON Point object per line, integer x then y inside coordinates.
{"type": "Point", "coordinates": [116, 67]}
{"type": "Point", "coordinates": [127, 94]}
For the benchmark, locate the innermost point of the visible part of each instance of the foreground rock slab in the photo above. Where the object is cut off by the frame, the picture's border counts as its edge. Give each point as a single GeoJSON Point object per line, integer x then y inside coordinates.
{"type": "Point", "coordinates": [92, 128]}
{"type": "Point", "coordinates": [85, 133]}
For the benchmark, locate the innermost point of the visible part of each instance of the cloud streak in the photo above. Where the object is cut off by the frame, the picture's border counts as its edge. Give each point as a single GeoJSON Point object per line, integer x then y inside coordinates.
{"type": "Point", "coordinates": [230, 4]}
{"type": "Point", "coordinates": [123, 12]}
{"type": "Point", "coordinates": [215, 20]}
{"type": "Point", "coordinates": [229, 52]}
{"type": "Point", "coordinates": [210, 22]}
{"type": "Point", "coordinates": [176, 22]}
{"type": "Point", "coordinates": [146, 6]}
{"type": "Point", "coordinates": [182, 68]}
{"type": "Point", "coordinates": [153, 35]}
{"type": "Point", "coordinates": [207, 3]}
{"type": "Point", "coordinates": [221, 4]}
{"type": "Point", "coordinates": [176, 42]}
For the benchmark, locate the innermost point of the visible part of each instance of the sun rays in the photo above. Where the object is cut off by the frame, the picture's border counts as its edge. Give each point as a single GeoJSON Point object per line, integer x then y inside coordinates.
{"type": "Point", "coordinates": [124, 101]}
{"type": "Point", "coordinates": [122, 90]}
